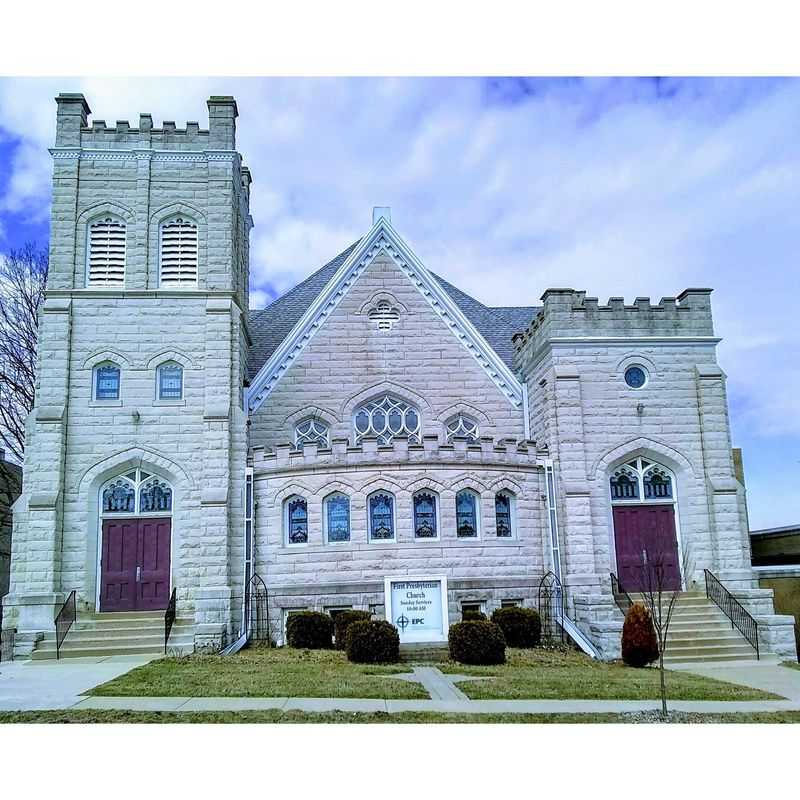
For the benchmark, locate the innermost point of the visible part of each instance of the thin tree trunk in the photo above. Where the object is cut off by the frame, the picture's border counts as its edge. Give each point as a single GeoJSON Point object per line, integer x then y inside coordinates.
{"type": "Point", "coordinates": [663, 683]}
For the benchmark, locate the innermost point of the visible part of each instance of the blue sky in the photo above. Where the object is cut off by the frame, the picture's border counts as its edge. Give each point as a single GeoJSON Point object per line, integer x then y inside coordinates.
{"type": "Point", "coordinates": [508, 186]}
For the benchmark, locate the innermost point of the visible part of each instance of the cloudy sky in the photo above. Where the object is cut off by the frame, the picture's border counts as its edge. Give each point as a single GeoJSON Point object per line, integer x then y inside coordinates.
{"type": "Point", "coordinates": [508, 186]}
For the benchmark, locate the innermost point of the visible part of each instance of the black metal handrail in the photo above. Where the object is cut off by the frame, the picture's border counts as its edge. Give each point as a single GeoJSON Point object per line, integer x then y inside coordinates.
{"type": "Point", "coordinates": [739, 616]}
{"type": "Point", "coordinates": [64, 621]}
{"type": "Point", "coordinates": [169, 619]}
{"type": "Point", "coordinates": [621, 597]}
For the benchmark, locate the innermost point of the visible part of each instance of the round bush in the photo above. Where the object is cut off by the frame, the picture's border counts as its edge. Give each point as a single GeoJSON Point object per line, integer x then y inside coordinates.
{"type": "Point", "coordinates": [477, 642]}
{"type": "Point", "coordinates": [470, 615]}
{"type": "Point", "coordinates": [522, 627]}
{"type": "Point", "coordinates": [639, 643]}
{"type": "Point", "coordinates": [373, 642]}
{"type": "Point", "coordinates": [311, 630]}
{"type": "Point", "coordinates": [343, 620]}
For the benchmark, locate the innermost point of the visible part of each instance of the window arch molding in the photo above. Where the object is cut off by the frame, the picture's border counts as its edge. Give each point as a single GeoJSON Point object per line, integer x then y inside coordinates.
{"type": "Point", "coordinates": [83, 222]}
{"type": "Point", "coordinates": [170, 355]}
{"type": "Point", "coordinates": [348, 407]}
{"type": "Point", "coordinates": [651, 449]}
{"type": "Point", "coordinates": [99, 356]}
{"type": "Point", "coordinates": [462, 425]}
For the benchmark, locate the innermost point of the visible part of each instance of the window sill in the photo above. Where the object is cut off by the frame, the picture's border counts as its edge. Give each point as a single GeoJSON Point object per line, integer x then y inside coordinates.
{"type": "Point", "coordinates": [169, 402]}
{"type": "Point", "coordinates": [106, 403]}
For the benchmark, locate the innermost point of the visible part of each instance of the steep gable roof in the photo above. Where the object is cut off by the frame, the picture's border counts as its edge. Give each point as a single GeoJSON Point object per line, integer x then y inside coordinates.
{"type": "Point", "coordinates": [296, 317]}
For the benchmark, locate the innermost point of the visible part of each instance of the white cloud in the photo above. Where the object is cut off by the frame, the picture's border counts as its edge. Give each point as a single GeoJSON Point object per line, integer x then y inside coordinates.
{"type": "Point", "coordinates": [620, 188]}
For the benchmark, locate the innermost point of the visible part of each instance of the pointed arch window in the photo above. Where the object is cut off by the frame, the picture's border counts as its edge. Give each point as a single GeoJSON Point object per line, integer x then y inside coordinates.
{"type": "Point", "coordinates": [462, 425]}
{"type": "Point", "coordinates": [296, 520]}
{"type": "Point", "coordinates": [179, 251]}
{"type": "Point", "coordinates": [106, 381]}
{"type": "Point", "coordinates": [425, 516]}
{"type": "Point", "coordinates": [337, 518]}
{"type": "Point", "coordinates": [642, 481]}
{"type": "Point", "coordinates": [155, 495]}
{"type": "Point", "coordinates": [311, 431]}
{"type": "Point", "coordinates": [467, 514]}
{"type": "Point", "coordinates": [504, 503]}
{"type": "Point", "coordinates": [385, 418]}
{"type": "Point", "coordinates": [381, 517]}
{"type": "Point", "coordinates": [136, 492]}
{"type": "Point", "coordinates": [105, 255]}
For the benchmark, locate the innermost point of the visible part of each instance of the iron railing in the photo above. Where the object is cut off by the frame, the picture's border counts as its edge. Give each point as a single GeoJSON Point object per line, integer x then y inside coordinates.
{"type": "Point", "coordinates": [64, 621]}
{"type": "Point", "coordinates": [551, 608]}
{"type": "Point", "coordinates": [169, 619]}
{"type": "Point", "coordinates": [739, 616]}
{"type": "Point", "coordinates": [621, 597]}
{"type": "Point", "coordinates": [257, 611]}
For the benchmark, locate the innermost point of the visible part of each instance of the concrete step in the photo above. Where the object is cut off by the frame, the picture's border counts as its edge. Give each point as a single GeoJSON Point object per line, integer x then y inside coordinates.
{"type": "Point", "coordinates": [708, 658]}
{"type": "Point", "coordinates": [115, 632]}
{"type": "Point", "coordinates": [153, 641]}
{"type": "Point", "coordinates": [678, 652]}
{"type": "Point", "coordinates": [120, 624]}
{"type": "Point", "coordinates": [705, 641]}
{"type": "Point", "coordinates": [116, 650]}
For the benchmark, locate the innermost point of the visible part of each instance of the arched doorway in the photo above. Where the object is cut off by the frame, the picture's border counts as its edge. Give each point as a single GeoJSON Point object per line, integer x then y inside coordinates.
{"type": "Point", "coordinates": [645, 534]}
{"type": "Point", "coordinates": [136, 539]}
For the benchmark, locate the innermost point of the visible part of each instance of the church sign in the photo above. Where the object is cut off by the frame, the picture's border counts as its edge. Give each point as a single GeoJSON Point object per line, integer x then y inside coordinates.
{"type": "Point", "coordinates": [417, 607]}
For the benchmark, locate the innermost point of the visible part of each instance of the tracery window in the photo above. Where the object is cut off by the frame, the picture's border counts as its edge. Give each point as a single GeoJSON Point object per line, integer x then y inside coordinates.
{"type": "Point", "coordinates": [641, 480]}
{"type": "Point", "coordinates": [462, 425]}
{"type": "Point", "coordinates": [296, 520]}
{"type": "Point", "coordinates": [503, 502]}
{"type": "Point", "coordinates": [386, 418]}
{"type": "Point", "coordinates": [425, 526]}
{"type": "Point", "coordinates": [311, 430]}
{"type": "Point", "coordinates": [467, 514]}
{"type": "Point", "coordinates": [337, 518]}
{"type": "Point", "coordinates": [136, 492]}
{"type": "Point", "coordinates": [381, 516]}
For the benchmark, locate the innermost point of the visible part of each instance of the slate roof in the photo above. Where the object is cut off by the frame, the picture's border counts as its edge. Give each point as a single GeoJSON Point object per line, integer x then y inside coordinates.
{"type": "Point", "coordinates": [271, 325]}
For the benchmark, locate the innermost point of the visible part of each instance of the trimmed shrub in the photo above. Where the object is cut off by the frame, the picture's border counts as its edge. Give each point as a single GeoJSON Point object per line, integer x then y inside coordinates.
{"type": "Point", "coordinates": [342, 621]}
{"type": "Point", "coordinates": [373, 642]}
{"type": "Point", "coordinates": [470, 615]}
{"type": "Point", "coordinates": [477, 642]}
{"type": "Point", "coordinates": [311, 630]}
{"type": "Point", "coordinates": [522, 627]}
{"type": "Point", "coordinates": [639, 643]}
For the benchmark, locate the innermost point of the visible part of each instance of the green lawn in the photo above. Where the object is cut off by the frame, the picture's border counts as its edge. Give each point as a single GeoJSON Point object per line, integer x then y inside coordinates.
{"type": "Point", "coordinates": [790, 664]}
{"type": "Point", "coordinates": [338, 717]}
{"type": "Point", "coordinates": [263, 672]}
{"type": "Point", "coordinates": [545, 674]}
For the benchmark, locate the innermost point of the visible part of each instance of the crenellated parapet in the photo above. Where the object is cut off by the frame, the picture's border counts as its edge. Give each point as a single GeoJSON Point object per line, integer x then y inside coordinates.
{"type": "Point", "coordinates": [74, 133]}
{"type": "Point", "coordinates": [568, 314]}
{"type": "Point", "coordinates": [368, 453]}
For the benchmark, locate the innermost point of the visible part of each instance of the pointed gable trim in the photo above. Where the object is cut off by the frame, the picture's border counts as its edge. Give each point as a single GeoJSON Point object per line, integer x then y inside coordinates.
{"type": "Point", "coordinates": [382, 238]}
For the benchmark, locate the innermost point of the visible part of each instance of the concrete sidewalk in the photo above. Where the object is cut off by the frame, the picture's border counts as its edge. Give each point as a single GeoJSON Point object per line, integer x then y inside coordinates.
{"type": "Point", "coordinates": [765, 675]}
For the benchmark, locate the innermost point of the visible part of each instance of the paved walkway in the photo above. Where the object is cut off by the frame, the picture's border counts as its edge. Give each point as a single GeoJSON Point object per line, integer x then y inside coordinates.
{"type": "Point", "coordinates": [32, 685]}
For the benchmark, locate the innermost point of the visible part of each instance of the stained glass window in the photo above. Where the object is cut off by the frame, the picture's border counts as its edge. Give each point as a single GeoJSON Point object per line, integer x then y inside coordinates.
{"type": "Point", "coordinates": [657, 484]}
{"type": "Point", "coordinates": [119, 496]}
{"type": "Point", "coordinates": [641, 481]}
{"type": "Point", "coordinates": [381, 516]}
{"type": "Point", "coordinates": [502, 514]}
{"type": "Point", "coordinates": [155, 495]}
{"type": "Point", "coordinates": [107, 382]}
{"type": "Point", "coordinates": [466, 514]}
{"type": "Point", "coordinates": [462, 425]}
{"type": "Point", "coordinates": [311, 430]}
{"type": "Point", "coordinates": [625, 484]}
{"type": "Point", "coordinates": [170, 382]}
{"type": "Point", "coordinates": [337, 518]}
{"type": "Point", "coordinates": [297, 521]}
{"type": "Point", "coordinates": [386, 418]}
{"type": "Point", "coordinates": [425, 515]}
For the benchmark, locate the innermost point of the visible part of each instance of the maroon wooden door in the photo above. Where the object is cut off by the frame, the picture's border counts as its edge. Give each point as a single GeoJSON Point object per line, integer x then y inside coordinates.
{"type": "Point", "coordinates": [646, 543]}
{"type": "Point", "coordinates": [135, 564]}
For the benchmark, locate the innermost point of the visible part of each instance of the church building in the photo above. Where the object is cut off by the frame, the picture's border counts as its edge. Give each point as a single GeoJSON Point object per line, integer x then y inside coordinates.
{"type": "Point", "coordinates": [373, 429]}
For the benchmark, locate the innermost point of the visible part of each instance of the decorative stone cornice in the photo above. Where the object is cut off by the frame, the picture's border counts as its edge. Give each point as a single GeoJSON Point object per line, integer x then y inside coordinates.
{"type": "Point", "coordinates": [60, 153]}
{"type": "Point", "coordinates": [382, 240]}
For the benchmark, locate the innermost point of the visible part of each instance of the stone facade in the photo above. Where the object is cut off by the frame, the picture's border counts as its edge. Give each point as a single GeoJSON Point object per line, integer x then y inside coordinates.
{"type": "Point", "coordinates": [554, 420]}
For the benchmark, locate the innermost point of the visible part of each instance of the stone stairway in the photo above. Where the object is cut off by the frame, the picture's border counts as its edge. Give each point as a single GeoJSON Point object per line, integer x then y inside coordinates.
{"type": "Point", "coordinates": [700, 632]}
{"type": "Point", "coordinates": [128, 633]}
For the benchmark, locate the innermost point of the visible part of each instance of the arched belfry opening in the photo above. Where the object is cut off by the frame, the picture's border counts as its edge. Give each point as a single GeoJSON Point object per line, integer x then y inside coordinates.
{"type": "Point", "coordinates": [135, 542]}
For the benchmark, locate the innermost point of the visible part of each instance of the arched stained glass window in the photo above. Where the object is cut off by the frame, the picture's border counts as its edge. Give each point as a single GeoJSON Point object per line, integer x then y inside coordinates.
{"type": "Point", "coordinates": [467, 514]}
{"type": "Point", "coordinates": [312, 431]}
{"type": "Point", "coordinates": [641, 481]}
{"type": "Point", "coordinates": [625, 484]}
{"type": "Point", "coordinates": [386, 418]}
{"type": "Point", "coordinates": [337, 518]}
{"type": "Point", "coordinates": [381, 516]}
{"type": "Point", "coordinates": [502, 514]}
{"type": "Point", "coordinates": [462, 425]}
{"type": "Point", "coordinates": [170, 381]}
{"type": "Point", "coordinates": [119, 496]}
{"type": "Point", "coordinates": [425, 515]}
{"type": "Point", "coordinates": [106, 382]}
{"type": "Point", "coordinates": [657, 484]}
{"type": "Point", "coordinates": [155, 495]}
{"type": "Point", "coordinates": [296, 520]}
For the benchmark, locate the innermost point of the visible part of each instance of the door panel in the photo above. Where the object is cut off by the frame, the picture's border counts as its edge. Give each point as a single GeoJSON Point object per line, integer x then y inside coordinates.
{"type": "Point", "coordinates": [154, 543]}
{"type": "Point", "coordinates": [119, 558]}
{"type": "Point", "coordinates": [646, 543]}
{"type": "Point", "coordinates": [135, 564]}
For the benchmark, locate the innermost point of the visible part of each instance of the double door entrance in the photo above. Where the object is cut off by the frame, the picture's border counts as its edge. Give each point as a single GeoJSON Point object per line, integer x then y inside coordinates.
{"type": "Point", "coordinates": [135, 564]}
{"type": "Point", "coordinates": [647, 547]}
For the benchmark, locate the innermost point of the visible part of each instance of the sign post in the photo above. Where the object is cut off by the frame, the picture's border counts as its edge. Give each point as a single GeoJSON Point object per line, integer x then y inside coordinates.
{"type": "Point", "coordinates": [417, 607]}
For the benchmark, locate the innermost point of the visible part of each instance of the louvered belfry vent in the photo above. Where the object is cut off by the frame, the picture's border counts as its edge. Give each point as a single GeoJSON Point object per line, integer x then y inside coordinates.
{"type": "Point", "coordinates": [179, 252]}
{"type": "Point", "coordinates": [107, 252]}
